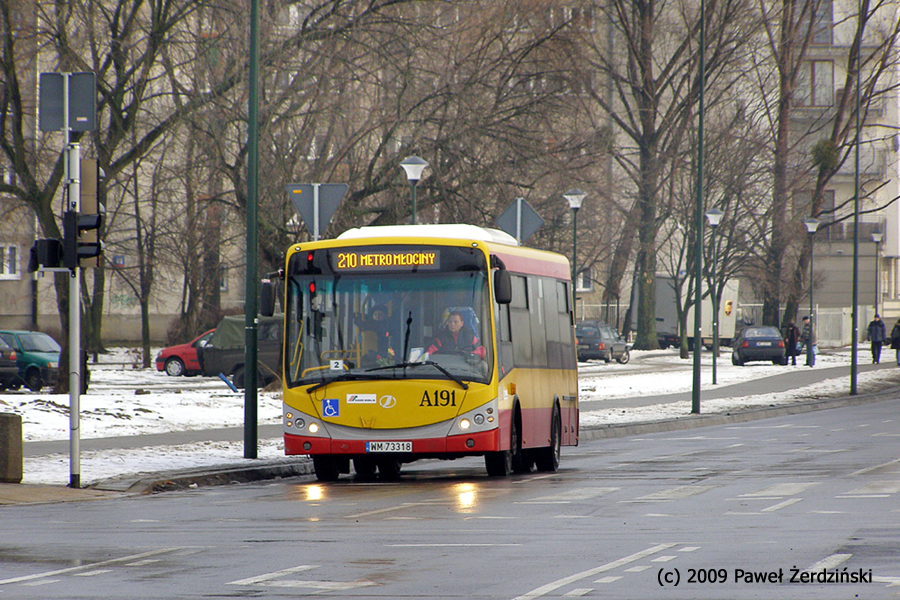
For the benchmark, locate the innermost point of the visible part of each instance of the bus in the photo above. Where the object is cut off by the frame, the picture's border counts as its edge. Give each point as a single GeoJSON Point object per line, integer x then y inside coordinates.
{"type": "Point", "coordinates": [426, 341]}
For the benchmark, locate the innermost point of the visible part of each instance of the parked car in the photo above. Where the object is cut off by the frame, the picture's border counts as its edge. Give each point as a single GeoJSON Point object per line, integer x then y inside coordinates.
{"type": "Point", "coordinates": [761, 342]}
{"type": "Point", "coordinates": [182, 359]}
{"type": "Point", "coordinates": [9, 370]}
{"type": "Point", "coordinates": [224, 352]}
{"type": "Point", "coordinates": [598, 340]}
{"type": "Point", "coordinates": [37, 357]}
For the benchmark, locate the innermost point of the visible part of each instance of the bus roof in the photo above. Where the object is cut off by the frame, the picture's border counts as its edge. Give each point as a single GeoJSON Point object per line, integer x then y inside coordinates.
{"type": "Point", "coordinates": [440, 230]}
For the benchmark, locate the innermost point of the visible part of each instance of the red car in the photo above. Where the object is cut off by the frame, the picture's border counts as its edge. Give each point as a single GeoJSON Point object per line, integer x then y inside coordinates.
{"type": "Point", "coordinates": [182, 359]}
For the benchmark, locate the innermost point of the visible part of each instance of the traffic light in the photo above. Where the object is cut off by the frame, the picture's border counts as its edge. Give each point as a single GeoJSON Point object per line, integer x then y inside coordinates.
{"type": "Point", "coordinates": [46, 253]}
{"type": "Point", "coordinates": [74, 225]}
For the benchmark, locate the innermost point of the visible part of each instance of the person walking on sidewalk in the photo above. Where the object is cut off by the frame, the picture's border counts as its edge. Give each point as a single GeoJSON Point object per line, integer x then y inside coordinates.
{"type": "Point", "coordinates": [877, 333]}
{"type": "Point", "coordinates": [808, 339]}
{"type": "Point", "coordinates": [791, 342]}
{"type": "Point", "coordinates": [895, 339]}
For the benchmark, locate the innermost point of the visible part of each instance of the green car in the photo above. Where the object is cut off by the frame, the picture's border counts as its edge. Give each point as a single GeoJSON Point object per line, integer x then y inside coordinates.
{"type": "Point", "coordinates": [37, 356]}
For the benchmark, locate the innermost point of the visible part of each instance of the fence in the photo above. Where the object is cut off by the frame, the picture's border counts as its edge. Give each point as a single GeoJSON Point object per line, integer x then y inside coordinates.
{"type": "Point", "coordinates": [834, 326]}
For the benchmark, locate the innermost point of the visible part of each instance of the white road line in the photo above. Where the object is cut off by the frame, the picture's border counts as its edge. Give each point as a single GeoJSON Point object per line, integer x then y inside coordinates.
{"type": "Point", "coordinates": [438, 545]}
{"type": "Point", "coordinates": [781, 490]}
{"type": "Point", "coordinates": [272, 580]}
{"type": "Point", "coordinates": [571, 496]}
{"type": "Point", "coordinates": [269, 576]}
{"type": "Point", "coordinates": [875, 468]}
{"type": "Point", "coordinates": [87, 567]}
{"type": "Point", "coordinates": [829, 562]}
{"type": "Point", "coordinates": [546, 589]}
{"type": "Point", "coordinates": [876, 487]}
{"type": "Point", "coordinates": [676, 493]}
{"type": "Point", "coordinates": [781, 505]}
{"type": "Point", "coordinates": [577, 593]}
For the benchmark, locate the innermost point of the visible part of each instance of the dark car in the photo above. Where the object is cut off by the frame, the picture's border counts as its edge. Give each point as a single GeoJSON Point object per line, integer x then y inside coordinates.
{"type": "Point", "coordinates": [37, 356]}
{"type": "Point", "coordinates": [182, 359]}
{"type": "Point", "coordinates": [9, 370]}
{"type": "Point", "coordinates": [598, 340]}
{"type": "Point", "coordinates": [224, 353]}
{"type": "Point", "coordinates": [762, 342]}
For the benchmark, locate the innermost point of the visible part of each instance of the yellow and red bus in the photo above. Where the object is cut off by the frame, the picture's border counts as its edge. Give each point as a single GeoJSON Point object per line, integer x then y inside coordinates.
{"type": "Point", "coordinates": [366, 382]}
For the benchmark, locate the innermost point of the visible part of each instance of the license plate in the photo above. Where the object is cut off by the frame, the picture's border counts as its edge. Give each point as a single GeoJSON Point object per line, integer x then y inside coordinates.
{"type": "Point", "coordinates": [763, 343]}
{"type": "Point", "coordinates": [388, 446]}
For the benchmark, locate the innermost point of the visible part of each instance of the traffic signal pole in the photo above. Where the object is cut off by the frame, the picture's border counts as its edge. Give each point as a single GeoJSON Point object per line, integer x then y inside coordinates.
{"type": "Point", "coordinates": [73, 197]}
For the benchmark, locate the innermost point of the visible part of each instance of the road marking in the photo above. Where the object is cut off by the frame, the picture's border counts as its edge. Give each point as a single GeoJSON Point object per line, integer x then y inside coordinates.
{"type": "Point", "coordinates": [270, 576]}
{"type": "Point", "coordinates": [272, 580]}
{"type": "Point", "coordinates": [439, 545]}
{"type": "Point", "coordinates": [571, 496]}
{"type": "Point", "coordinates": [637, 569]}
{"type": "Point", "coordinates": [675, 493]}
{"type": "Point", "coordinates": [868, 470]}
{"type": "Point", "coordinates": [577, 593]}
{"type": "Point", "coordinates": [608, 579]}
{"type": "Point", "coordinates": [781, 505]}
{"type": "Point", "coordinates": [779, 490]}
{"type": "Point", "coordinates": [89, 567]}
{"type": "Point", "coordinates": [877, 487]}
{"type": "Point", "coordinates": [829, 562]}
{"type": "Point", "coordinates": [555, 585]}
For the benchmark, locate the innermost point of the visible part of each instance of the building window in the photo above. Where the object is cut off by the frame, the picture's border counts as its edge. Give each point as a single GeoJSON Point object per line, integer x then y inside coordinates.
{"type": "Point", "coordinates": [9, 262]}
{"type": "Point", "coordinates": [815, 84]}
{"type": "Point", "coordinates": [822, 23]}
{"type": "Point", "coordinates": [583, 281]}
{"type": "Point", "coordinates": [223, 278]}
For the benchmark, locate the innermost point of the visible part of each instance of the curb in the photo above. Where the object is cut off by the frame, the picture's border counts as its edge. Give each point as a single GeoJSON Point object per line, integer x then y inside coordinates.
{"type": "Point", "coordinates": [207, 476]}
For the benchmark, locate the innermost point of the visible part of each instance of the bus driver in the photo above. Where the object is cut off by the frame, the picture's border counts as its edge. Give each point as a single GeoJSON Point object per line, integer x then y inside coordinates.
{"type": "Point", "coordinates": [457, 337]}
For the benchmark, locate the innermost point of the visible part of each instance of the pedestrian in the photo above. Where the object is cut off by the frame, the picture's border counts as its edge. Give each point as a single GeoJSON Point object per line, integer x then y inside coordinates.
{"type": "Point", "coordinates": [877, 333]}
{"type": "Point", "coordinates": [791, 342]}
{"type": "Point", "coordinates": [895, 339]}
{"type": "Point", "coordinates": [808, 339]}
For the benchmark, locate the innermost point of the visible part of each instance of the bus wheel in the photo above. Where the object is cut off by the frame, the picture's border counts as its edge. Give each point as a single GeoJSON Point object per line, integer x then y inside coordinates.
{"type": "Point", "coordinates": [548, 458]}
{"type": "Point", "coordinates": [389, 468]}
{"type": "Point", "coordinates": [364, 466]}
{"type": "Point", "coordinates": [500, 464]}
{"type": "Point", "coordinates": [326, 467]}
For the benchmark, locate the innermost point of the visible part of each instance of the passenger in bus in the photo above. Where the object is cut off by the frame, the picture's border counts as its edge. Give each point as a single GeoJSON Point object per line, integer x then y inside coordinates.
{"type": "Point", "coordinates": [457, 337]}
{"type": "Point", "coordinates": [376, 331]}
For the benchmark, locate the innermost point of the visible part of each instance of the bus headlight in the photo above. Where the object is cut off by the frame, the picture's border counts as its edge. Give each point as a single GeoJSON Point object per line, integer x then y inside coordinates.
{"type": "Point", "coordinates": [313, 427]}
{"type": "Point", "coordinates": [464, 424]}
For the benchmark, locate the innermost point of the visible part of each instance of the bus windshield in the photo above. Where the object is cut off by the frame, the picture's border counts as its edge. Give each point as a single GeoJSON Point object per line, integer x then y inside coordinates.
{"type": "Point", "coordinates": [406, 323]}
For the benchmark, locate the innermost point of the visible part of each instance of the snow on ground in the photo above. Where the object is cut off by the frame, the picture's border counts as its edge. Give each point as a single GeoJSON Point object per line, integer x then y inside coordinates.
{"type": "Point", "coordinates": [124, 401]}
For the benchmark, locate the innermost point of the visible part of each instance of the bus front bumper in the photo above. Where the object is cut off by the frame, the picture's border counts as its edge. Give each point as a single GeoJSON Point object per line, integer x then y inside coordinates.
{"type": "Point", "coordinates": [473, 443]}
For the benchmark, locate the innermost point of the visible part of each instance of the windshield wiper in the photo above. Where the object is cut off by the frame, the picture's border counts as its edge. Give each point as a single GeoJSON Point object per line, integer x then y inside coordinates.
{"type": "Point", "coordinates": [347, 376]}
{"type": "Point", "coordinates": [430, 363]}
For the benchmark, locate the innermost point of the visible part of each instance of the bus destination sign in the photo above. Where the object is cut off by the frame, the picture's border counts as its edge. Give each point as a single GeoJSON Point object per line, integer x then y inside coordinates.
{"type": "Point", "coordinates": [386, 260]}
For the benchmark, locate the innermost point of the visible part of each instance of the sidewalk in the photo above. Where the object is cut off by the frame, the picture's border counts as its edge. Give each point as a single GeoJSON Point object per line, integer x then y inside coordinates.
{"type": "Point", "coordinates": [244, 470]}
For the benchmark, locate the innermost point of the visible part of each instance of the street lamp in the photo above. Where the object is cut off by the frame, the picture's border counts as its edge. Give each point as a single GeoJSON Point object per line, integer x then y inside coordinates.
{"type": "Point", "coordinates": [877, 236]}
{"type": "Point", "coordinates": [413, 165]}
{"type": "Point", "coordinates": [811, 225]}
{"type": "Point", "coordinates": [714, 216]}
{"type": "Point", "coordinates": [574, 197]}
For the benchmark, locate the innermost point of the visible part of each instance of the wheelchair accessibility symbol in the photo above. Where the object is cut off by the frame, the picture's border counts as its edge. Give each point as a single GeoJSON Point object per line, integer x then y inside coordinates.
{"type": "Point", "coordinates": [331, 407]}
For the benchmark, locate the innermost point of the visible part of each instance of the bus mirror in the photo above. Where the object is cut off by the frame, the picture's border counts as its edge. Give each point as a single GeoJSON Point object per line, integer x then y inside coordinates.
{"type": "Point", "coordinates": [502, 286]}
{"type": "Point", "coordinates": [267, 298]}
